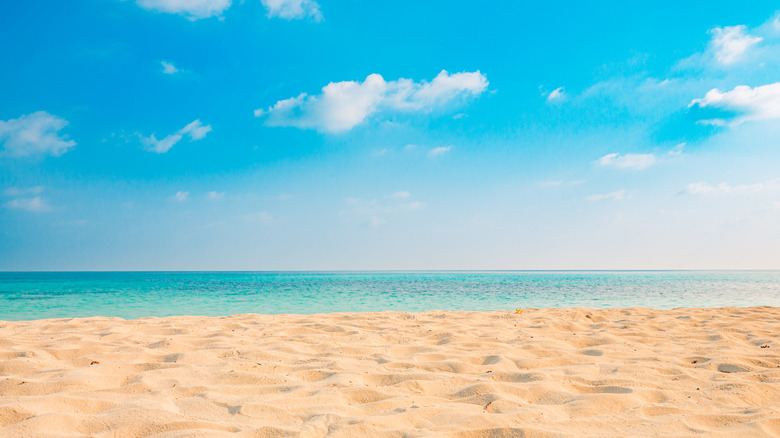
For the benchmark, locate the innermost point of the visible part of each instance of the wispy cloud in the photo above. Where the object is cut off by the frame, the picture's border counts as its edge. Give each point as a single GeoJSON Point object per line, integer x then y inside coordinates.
{"type": "Point", "coordinates": [441, 150]}
{"type": "Point", "coordinates": [746, 103]}
{"type": "Point", "coordinates": [375, 213]}
{"type": "Point", "coordinates": [627, 161]}
{"type": "Point", "coordinates": [677, 150]}
{"type": "Point", "coordinates": [414, 205]}
{"type": "Point", "coordinates": [26, 191]}
{"type": "Point", "coordinates": [556, 94]}
{"type": "Point", "coordinates": [35, 204]}
{"type": "Point", "coordinates": [343, 105]}
{"type": "Point", "coordinates": [26, 199]}
{"type": "Point", "coordinates": [34, 134]}
{"type": "Point", "coordinates": [191, 9]}
{"type": "Point", "coordinates": [215, 196]}
{"type": "Point", "coordinates": [730, 43]}
{"type": "Point", "coordinates": [703, 188]}
{"type": "Point", "coordinates": [168, 68]}
{"type": "Point", "coordinates": [293, 9]}
{"type": "Point", "coordinates": [195, 131]}
{"type": "Point", "coordinates": [618, 195]}
{"type": "Point", "coordinates": [181, 196]}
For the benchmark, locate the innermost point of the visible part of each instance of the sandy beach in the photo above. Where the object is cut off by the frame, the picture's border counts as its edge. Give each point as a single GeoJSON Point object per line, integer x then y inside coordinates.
{"type": "Point", "coordinates": [540, 373]}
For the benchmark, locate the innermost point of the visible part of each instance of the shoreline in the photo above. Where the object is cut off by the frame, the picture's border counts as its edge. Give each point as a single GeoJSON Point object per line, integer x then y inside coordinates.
{"type": "Point", "coordinates": [553, 372]}
{"type": "Point", "coordinates": [386, 312]}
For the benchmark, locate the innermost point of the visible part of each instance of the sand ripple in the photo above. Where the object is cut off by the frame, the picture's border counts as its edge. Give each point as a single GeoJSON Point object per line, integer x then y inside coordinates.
{"type": "Point", "coordinates": [542, 373]}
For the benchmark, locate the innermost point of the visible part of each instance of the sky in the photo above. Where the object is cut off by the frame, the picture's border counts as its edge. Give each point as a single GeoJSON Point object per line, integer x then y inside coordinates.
{"type": "Point", "coordinates": [355, 135]}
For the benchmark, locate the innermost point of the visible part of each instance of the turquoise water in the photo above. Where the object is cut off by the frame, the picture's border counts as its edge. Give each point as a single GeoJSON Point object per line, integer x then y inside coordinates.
{"type": "Point", "coordinates": [137, 294]}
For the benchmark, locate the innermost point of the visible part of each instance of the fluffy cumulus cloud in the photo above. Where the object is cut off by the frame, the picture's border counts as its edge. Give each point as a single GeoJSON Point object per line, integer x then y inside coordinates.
{"type": "Point", "coordinates": [627, 161]}
{"type": "Point", "coordinates": [703, 188]}
{"type": "Point", "coordinates": [729, 44]}
{"type": "Point", "coordinates": [343, 105]}
{"type": "Point", "coordinates": [293, 9]}
{"type": "Point", "coordinates": [743, 102]}
{"type": "Point", "coordinates": [617, 195]}
{"type": "Point", "coordinates": [34, 134]}
{"type": "Point", "coordinates": [192, 9]}
{"type": "Point", "coordinates": [195, 131]}
{"type": "Point", "coordinates": [738, 50]}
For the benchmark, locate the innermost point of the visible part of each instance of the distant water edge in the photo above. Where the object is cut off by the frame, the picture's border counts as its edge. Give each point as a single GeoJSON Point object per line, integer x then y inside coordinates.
{"type": "Point", "coordinates": [39, 295]}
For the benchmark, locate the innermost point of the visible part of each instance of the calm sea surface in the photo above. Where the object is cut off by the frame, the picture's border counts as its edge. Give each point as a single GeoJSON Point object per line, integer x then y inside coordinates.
{"type": "Point", "coordinates": [137, 294]}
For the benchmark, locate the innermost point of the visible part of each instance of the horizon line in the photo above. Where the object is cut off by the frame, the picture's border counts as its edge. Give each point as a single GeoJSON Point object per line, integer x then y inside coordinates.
{"type": "Point", "coordinates": [391, 270]}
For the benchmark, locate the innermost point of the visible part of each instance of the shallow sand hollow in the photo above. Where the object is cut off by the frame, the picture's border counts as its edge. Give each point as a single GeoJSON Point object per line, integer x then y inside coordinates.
{"type": "Point", "coordinates": [541, 373]}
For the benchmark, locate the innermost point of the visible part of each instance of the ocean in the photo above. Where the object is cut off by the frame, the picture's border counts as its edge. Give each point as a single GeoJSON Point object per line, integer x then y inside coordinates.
{"type": "Point", "coordinates": [39, 295]}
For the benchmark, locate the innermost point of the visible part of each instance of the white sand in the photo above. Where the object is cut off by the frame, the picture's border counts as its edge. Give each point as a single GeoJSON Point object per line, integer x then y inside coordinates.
{"type": "Point", "coordinates": [543, 373]}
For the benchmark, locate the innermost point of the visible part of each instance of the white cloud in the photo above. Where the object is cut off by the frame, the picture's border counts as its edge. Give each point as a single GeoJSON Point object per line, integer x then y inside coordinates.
{"type": "Point", "coordinates": [28, 204]}
{"type": "Point", "coordinates": [215, 196]}
{"type": "Point", "coordinates": [340, 107]}
{"type": "Point", "coordinates": [168, 68]}
{"type": "Point", "coordinates": [403, 195]}
{"type": "Point", "coordinates": [160, 146]}
{"type": "Point", "coordinates": [293, 9]}
{"type": "Point", "coordinates": [729, 44]}
{"type": "Point", "coordinates": [557, 93]}
{"type": "Point", "coordinates": [195, 130]}
{"type": "Point", "coordinates": [27, 199]}
{"type": "Point", "coordinates": [29, 191]}
{"type": "Point", "coordinates": [34, 134]}
{"type": "Point", "coordinates": [343, 105]}
{"type": "Point", "coordinates": [192, 9]}
{"type": "Point", "coordinates": [441, 150]}
{"type": "Point", "coordinates": [627, 161]}
{"type": "Point", "coordinates": [678, 149]}
{"type": "Point", "coordinates": [703, 188]}
{"type": "Point", "coordinates": [181, 196]}
{"type": "Point", "coordinates": [618, 195]}
{"type": "Point", "coordinates": [759, 103]}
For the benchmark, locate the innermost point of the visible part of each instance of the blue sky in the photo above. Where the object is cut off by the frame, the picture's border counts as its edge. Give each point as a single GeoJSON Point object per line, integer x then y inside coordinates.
{"type": "Point", "coordinates": [302, 134]}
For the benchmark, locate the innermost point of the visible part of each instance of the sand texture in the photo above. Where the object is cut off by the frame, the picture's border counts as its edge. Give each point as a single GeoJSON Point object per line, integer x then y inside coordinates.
{"type": "Point", "coordinates": [542, 373]}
